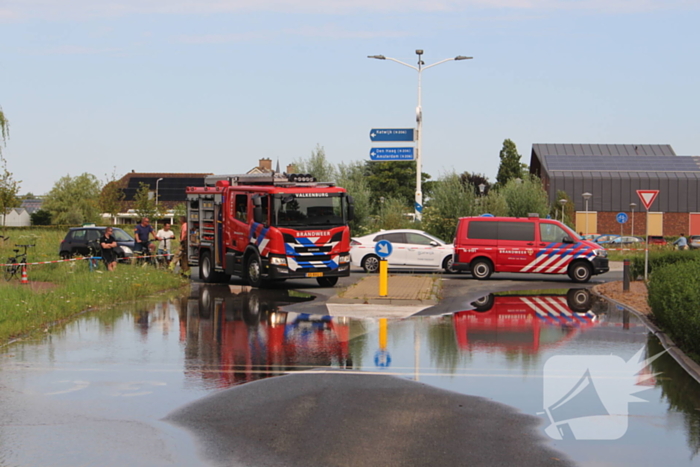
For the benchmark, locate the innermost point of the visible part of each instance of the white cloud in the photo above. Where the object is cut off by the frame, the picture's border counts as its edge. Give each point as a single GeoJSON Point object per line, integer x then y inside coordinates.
{"type": "Point", "coordinates": [82, 9]}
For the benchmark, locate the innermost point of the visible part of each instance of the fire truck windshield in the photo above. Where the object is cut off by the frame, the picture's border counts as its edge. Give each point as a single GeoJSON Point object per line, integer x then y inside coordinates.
{"type": "Point", "coordinates": [310, 209]}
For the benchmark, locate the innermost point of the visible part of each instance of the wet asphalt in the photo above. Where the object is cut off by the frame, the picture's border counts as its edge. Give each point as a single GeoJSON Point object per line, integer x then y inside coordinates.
{"type": "Point", "coordinates": [336, 419]}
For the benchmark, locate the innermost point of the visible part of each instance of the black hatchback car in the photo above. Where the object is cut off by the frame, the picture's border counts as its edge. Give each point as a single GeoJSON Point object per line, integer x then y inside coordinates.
{"type": "Point", "coordinates": [84, 241]}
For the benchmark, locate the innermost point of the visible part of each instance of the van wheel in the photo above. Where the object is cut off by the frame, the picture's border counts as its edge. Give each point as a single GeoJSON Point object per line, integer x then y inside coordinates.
{"type": "Point", "coordinates": [482, 269]}
{"type": "Point", "coordinates": [447, 265]}
{"type": "Point", "coordinates": [327, 281]}
{"type": "Point", "coordinates": [580, 272]}
{"type": "Point", "coordinates": [579, 300]}
{"type": "Point", "coordinates": [370, 263]}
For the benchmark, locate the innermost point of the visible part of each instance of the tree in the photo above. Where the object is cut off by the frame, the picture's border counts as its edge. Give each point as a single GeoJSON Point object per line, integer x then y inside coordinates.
{"type": "Point", "coordinates": [510, 167]}
{"type": "Point", "coordinates": [392, 215]}
{"type": "Point", "coordinates": [4, 129]}
{"type": "Point", "coordinates": [396, 180]}
{"type": "Point", "coordinates": [351, 177]}
{"type": "Point", "coordinates": [451, 200]}
{"type": "Point", "coordinates": [525, 197]}
{"type": "Point", "coordinates": [41, 217]}
{"type": "Point", "coordinates": [74, 200]}
{"type": "Point", "coordinates": [144, 203]}
{"type": "Point", "coordinates": [112, 195]}
{"type": "Point", "coordinates": [475, 180]}
{"type": "Point", "coordinates": [317, 165]}
{"type": "Point", "coordinates": [9, 188]}
{"type": "Point", "coordinates": [569, 208]}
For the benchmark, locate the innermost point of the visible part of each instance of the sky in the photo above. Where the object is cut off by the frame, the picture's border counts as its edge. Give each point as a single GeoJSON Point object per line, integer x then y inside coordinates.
{"type": "Point", "coordinates": [111, 86]}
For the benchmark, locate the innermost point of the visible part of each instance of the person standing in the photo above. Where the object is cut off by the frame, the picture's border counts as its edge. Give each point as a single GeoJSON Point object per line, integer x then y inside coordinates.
{"type": "Point", "coordinates": [142, 234]}
{"type": "Point", "coordinates": [107, 244]}
{"type": "Point", "coordinates": [681, 243]}
{"type": "Point", "coordinates": [184, 264]}
{"type": "Point", "coordinates": [165, 235]}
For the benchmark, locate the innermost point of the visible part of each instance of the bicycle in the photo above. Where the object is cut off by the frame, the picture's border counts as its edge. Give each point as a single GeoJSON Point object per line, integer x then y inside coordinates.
{"type": "Point", "coordinates": [15, 263]}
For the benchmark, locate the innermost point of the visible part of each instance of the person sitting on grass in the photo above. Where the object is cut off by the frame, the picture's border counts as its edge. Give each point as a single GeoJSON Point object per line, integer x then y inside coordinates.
{"type": "Point", "coordinates": [107, 246]}
{"type": "Point", "coordinates": [165, 235]}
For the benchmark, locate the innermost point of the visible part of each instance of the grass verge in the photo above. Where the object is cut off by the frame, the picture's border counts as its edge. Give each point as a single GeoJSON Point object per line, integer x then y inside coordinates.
{"type": "Point", "coordinates": [59, 291]}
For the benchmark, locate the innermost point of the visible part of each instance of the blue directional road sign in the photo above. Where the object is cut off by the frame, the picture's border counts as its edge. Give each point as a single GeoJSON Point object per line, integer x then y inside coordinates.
{"type": "Point", "coordinates": [391, 134]}
{"type": "Point", "coordinates": [621, 218]}
{"type": "Point", "coordinates": [383, 248]}
{"type": "Point", "coordinates": [391, 154]}
{"type": "Point", "coordinates": [382, 359]}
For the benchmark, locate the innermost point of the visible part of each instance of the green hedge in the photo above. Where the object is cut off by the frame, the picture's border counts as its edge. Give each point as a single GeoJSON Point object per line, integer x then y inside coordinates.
{"type": "Point", "coordinates": [659, 259]}
{"type": "Point", "coordinates": [674, 298]}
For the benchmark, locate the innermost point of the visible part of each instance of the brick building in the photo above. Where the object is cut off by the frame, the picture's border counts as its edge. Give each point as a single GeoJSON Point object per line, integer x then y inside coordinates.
{"type": "Point", "coordinates": [612, 174]}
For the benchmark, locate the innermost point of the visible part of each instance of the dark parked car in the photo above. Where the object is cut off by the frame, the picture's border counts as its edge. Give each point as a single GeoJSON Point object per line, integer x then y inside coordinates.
{"type": "Point", "coordinates": [84, 241]}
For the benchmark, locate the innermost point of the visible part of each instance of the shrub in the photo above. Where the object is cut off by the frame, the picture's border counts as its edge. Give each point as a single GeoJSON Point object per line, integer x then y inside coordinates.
{"type": "Point", "coordinates": [674, 298]}
{"type": "Point", "coordinates": [658, 259]}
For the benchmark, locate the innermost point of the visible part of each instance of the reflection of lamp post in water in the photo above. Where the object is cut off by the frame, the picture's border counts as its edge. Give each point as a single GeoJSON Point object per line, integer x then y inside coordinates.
{"type": "Point", "coordinates": [563, 203]}
{"type": "Point", "coordinates": [586, 197]}
{"type": "Point", "coordinates": [632, 206]}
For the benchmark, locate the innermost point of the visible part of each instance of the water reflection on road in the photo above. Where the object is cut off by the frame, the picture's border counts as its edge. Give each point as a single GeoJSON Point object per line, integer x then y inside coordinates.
{"type": "Point", "coordinates": [143, 363]}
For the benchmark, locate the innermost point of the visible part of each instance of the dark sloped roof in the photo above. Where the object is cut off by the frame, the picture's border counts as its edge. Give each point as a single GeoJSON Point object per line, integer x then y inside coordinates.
{"type": "Point", "coordinates": [622, 164]}
{"type": "Point", "coordinates": [603, 150]}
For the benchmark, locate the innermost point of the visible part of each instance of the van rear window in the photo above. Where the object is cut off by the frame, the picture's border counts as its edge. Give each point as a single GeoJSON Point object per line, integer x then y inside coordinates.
{"type": "Point", "coordinates": [483, 230]}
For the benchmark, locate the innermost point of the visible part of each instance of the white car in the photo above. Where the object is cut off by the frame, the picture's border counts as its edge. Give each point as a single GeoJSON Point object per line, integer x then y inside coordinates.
{"type": "Point", "coordinates": [411, 249]}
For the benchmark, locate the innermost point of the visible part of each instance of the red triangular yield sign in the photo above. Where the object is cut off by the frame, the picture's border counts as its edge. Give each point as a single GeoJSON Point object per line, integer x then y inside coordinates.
{"type": "Point", "coordinates": [647, 197]}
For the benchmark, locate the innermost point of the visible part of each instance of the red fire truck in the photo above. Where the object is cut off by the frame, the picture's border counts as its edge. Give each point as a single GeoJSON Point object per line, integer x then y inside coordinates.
{"type": "Point", "coordinates": [267, 227]}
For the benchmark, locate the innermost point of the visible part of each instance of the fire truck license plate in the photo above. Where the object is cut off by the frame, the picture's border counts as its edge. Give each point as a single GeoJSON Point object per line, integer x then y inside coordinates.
{"type": "Point", "coordinates": [314, 274]}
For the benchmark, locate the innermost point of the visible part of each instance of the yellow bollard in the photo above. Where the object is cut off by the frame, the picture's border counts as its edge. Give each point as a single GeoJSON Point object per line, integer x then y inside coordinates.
{"type": "Point", "coordinates": [383, 278]}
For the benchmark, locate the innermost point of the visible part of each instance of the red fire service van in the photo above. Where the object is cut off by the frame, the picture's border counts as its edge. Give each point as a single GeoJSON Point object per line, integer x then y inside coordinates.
{"type": "Point", "coordinates": [266, 227]}
{"type": "Point", "coordinates": [484, 245]}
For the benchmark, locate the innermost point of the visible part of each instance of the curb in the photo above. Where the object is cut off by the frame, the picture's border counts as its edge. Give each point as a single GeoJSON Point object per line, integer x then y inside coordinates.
{"type": "Point", "coordinates": [690, 366]}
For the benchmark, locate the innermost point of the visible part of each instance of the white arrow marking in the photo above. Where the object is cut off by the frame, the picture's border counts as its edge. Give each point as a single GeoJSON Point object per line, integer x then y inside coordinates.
{"type": "Point", "coordinates": [373, 135]}
{"type": "Point", "coordinates": [384, 248]}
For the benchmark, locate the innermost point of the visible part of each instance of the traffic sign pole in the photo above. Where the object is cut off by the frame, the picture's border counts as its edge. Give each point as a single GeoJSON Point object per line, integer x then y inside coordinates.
{"type": "Point", "coordinates": [647, 197]}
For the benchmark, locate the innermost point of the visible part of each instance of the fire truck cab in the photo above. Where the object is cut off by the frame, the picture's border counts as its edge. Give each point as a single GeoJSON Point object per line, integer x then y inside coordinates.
{"type": "Point", "coordinates": [269, 227]}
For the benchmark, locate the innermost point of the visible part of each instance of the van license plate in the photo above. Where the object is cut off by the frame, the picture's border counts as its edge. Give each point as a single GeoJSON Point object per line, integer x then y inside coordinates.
{"type": "Point", "coordinates": [314, 274]}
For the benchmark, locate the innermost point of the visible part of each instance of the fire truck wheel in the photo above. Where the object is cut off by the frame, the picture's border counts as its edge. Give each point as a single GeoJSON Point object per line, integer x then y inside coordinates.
{"type": "Point", "coordinates": [482, 269]}
{"type": "Point", "coordinates": [327, 281]}
{"type": "Point", "coordinates": [447, 265]}
{"type": "Point", "coordinates": [253, 270]}
{"type": "Point", "coordinates": [580, 271]}
{"type": "Point", "coordinates": [206, 268]}
{"type": "Point", "coordinates": [370, 263]}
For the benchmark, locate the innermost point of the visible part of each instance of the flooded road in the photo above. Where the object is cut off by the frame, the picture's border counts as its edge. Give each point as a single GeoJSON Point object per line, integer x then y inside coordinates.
{"type": "Point", "coordinates": [97, 391]}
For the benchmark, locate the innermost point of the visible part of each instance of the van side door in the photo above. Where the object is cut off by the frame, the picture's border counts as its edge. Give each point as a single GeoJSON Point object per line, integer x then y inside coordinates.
{"type": "Point", "coordinates": [516, 245]}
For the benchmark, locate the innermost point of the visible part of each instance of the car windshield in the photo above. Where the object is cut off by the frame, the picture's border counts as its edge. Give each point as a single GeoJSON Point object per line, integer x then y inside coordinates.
{"type": "Point", "coordinates": [310, 209]}
{"type": "Point", "coordinates": [121, 236]}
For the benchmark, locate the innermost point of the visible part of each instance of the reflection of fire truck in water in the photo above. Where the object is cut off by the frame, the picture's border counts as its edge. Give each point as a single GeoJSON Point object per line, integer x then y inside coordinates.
{"type": "Point", "coordinates": [524, 322]}
{"type": "Point", "coordinates": [237, 338]}
{"type": "Point", "coordinates": [269, 227]}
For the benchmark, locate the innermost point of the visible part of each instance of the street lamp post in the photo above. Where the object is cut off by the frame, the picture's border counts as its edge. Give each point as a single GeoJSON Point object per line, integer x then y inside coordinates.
{"type": "Point", "coordinates": [419, 119]}
{"type": "Point", "coordinates": [632, 206]}
{"type": "Point", "coordinates": [482, 187]}
{"type": "Point", "coordinates": [157, 181]}
{"type": "Point", "coordinates": [586, 197]}
{"type": "Point", "coordinates": [563, 203]}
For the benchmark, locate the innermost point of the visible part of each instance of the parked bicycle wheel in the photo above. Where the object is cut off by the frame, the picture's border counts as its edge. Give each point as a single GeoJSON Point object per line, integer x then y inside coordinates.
{"type": "Point", "coordinates": [11, 270]}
